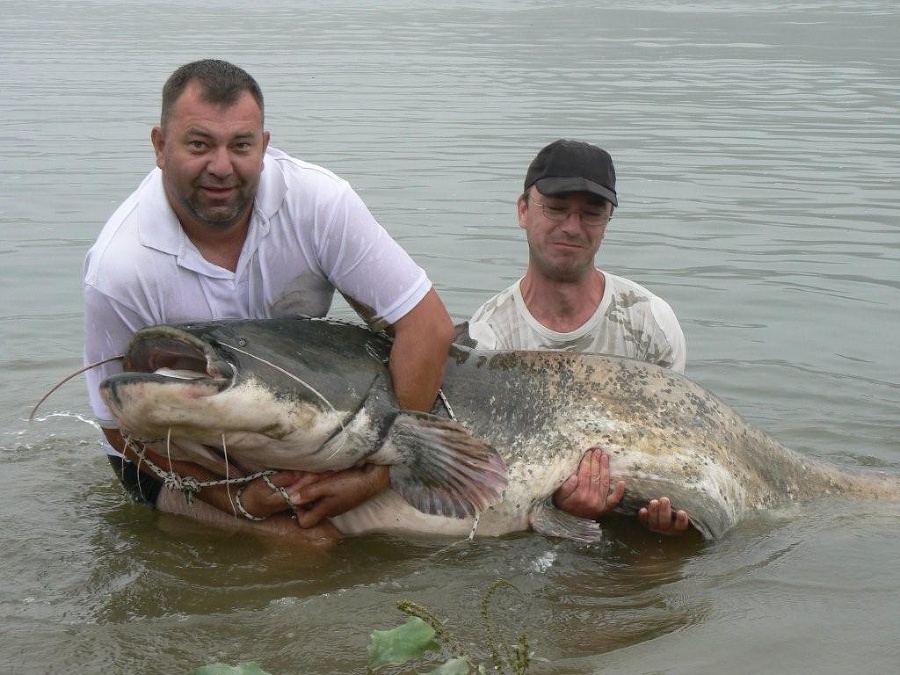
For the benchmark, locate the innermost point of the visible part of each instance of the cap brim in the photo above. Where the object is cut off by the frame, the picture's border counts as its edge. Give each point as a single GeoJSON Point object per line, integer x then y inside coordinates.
{"type": "Point", "coordinates": [558, 186]}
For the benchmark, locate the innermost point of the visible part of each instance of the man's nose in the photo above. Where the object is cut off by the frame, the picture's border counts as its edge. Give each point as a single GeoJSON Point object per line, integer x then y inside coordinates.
{"type": "Point", "coordinates": [572, 220]}
{"type": "Point", "coordinates": [220, 162]}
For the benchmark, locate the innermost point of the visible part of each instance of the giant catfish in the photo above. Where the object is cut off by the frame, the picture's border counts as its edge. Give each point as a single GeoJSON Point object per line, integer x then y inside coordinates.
{"type": "Point", "coordinates": [315, 394]}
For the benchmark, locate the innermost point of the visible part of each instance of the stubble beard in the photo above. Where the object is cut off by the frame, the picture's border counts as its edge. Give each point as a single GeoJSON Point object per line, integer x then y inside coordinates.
{"type": "Point", "coordinates": [217, 218]}
{"type": "Point", "coordinates": [565, 272]}
{"type": "Point", "coordinates": [558, 269]}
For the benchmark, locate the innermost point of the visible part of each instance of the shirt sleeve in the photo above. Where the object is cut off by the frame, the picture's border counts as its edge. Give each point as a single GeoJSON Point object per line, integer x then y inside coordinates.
{"type": "Point", "coordinates": [376, 275]}
{"type": "Point", "coordinates": [483, 334]}
{"type": "Point", "coordinates": [665, 317]}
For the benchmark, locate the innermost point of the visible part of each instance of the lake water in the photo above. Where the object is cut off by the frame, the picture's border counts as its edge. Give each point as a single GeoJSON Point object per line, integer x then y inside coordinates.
{"type": "Point", "coordinates": [758, 151]}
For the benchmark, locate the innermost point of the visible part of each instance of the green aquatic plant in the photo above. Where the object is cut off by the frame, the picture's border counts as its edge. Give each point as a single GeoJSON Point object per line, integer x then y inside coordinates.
{"type": "Point", "coordinates": [424, 632]}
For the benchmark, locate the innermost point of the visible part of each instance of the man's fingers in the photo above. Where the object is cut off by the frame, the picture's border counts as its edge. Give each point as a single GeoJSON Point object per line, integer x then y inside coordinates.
{"type": "Point", "coordinates": [613, 499]}
{"type": "Point", "coordinates": [659, 516]}
{"type": "Point", "coordinates": [311, 517]}
{"type": "Point", "coordinates": [565, 490]}
{"type": "Point", "coordinates": [595, 465]}
{"type": "Point", "coordinates": [285, 478]}
{"type": "Point", "coordinates": [305, 478]}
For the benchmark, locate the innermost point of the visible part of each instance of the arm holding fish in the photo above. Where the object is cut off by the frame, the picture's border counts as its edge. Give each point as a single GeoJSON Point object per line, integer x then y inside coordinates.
{"type": "Point", "coordinates": [391, 292]}
{"type": "Point", "coordinates": [323, 495]}
{"type": "Point", "coordinates": [258, 499]}
{"type": "Point", "coordinates": [419, 354]}
{"type": "Point", "coordinates": [421, 342]}
{"type": "Point", "coordinates": [109, 325]}
{"type": "Point", "coordinates": [380, 281]}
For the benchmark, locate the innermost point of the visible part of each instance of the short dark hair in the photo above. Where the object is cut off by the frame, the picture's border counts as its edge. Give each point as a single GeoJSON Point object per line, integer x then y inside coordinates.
{"type": "Point", "coordinates": [222, 84]}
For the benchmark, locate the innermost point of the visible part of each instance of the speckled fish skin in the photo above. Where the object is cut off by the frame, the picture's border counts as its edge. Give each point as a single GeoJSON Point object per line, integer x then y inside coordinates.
{"type": "Point", "coordinates": [666, 435]}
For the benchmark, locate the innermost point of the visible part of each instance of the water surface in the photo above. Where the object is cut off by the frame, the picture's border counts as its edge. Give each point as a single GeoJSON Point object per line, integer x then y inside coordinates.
{"type": "Point", "coordinates": [757, 149]}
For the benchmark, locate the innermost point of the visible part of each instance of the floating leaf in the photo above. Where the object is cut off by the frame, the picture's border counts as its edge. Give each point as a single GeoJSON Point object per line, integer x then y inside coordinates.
{"type": "Point", "coordinates": [399, 645]}
{"type": "Point", "coordinates": [458, 666]}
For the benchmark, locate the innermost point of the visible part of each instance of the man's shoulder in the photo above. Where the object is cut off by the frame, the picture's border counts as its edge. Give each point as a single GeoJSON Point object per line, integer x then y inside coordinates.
{"type": "Point", "coordinates": [498, 317]}
{"type": "Point", "coordinates": [288, 182]}
{"type": "Point", "coordinates": [148, 195]}
{"type": "Point", "coordinates": [635, 294]}
{"type": "Point", "coordinates": [295, 169]}
{"type": "Point", "coordinates": [121, 238]}
{"type": "Point", "coordinates": [660, 326]}
{"type": "Point", "coordinates": [136, 239]}
{"type": "Point", "coordinates": [496, 303]}
{"type": "Point", "coordinates": [619, 284]}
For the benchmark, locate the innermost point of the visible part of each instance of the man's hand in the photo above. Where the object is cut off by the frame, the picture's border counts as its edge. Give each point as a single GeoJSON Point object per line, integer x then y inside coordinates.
{"type": "Point", "coordinates": [658, 516]}
{"type": "Point", "coordinates": [320, 496]}
{"type": "Point", "coordinates": [260, 500]}
{"type": "Point", "coordinates": [586, 493]}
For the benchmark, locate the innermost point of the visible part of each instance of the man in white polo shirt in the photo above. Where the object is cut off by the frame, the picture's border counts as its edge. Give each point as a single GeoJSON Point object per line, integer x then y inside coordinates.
{"type": "Point", "coordinates": [564, 302]}
{"type": "Point", "coordinates": [227, 227]}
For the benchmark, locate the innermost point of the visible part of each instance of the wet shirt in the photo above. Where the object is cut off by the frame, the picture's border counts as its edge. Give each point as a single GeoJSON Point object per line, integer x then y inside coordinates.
{"type": "Point", "coordinates": [309, 235]}
{"type": "Point", "coordinates": [630, 321]}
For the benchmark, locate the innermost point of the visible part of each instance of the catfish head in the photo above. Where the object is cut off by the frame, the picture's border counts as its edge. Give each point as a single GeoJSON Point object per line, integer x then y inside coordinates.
{"type": "Point", "coordinates": [273, 391]}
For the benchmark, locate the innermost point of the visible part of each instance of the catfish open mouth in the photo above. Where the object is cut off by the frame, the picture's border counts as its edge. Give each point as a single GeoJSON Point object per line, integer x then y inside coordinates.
{"type": "Point", "coordinates": [172, 354]}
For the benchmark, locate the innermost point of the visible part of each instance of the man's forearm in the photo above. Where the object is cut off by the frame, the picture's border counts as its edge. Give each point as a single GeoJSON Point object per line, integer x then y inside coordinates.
{"type": "Point", "coordinates": [419, 353]}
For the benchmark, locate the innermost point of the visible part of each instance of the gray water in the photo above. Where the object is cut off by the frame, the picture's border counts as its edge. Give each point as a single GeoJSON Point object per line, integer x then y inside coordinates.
{"type": "Point", "coordinates": [758, 152]}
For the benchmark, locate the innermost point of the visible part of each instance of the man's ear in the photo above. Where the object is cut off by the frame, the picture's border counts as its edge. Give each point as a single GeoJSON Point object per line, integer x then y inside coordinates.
{"type": "Point", "coordinates": [158, 139]}
{"type": "Point", "coordinates": [521, 208]}
{"type": "Point", "coordinates": [265, 138]}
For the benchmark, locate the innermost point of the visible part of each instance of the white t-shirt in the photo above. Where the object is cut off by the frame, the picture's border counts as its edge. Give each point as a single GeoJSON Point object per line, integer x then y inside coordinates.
{"type": "Point", "coordinates": [309, 234]}
{"type": "Point", "coordinates": [630, 321]}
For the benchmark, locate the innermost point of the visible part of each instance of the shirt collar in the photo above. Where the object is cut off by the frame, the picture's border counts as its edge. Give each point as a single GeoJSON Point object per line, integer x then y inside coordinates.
{"type": "Point", "coordinates": [159, 227]}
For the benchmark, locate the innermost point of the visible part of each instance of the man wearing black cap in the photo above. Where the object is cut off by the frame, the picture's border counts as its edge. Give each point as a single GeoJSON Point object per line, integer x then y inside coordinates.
{"type": "Point", "coordinates": [564, 302]}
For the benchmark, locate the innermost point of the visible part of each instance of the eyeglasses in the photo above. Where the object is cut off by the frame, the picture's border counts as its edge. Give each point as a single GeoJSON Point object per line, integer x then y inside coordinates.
{"type": "Point", "coordinates": [559, 213]}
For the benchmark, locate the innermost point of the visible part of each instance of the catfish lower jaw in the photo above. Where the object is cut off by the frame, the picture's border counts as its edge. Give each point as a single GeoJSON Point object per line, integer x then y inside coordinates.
{"type": "Point", "coordinates": [203, 383]}
{"type": "Point", "coordinates": [118, 389]}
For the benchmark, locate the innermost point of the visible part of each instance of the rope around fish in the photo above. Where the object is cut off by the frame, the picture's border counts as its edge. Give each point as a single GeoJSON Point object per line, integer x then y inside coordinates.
{"type": "Point", "coordinates": [190, 486]}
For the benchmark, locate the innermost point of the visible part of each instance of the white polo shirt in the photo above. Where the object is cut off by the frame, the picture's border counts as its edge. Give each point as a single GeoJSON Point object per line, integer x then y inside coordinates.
{"type": "Point", "coordinates": [309, 234]}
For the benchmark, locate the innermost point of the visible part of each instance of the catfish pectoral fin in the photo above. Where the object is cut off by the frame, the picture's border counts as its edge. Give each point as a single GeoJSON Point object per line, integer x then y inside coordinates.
{"type": "Point", "coordinates": [445, 470]}
{"type": "Point", "coordinates": [550, 521]}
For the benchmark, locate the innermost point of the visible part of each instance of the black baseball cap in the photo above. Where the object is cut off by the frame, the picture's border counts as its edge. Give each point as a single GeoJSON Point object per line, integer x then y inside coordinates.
{"type": "Point", "coordinates": [573, 166]}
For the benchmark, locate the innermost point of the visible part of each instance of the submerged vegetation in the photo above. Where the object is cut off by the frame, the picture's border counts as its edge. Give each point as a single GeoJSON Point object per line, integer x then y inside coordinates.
{"type": "Point", "coordinates": [423, 632]}
{"type": "Point", "coordinates": [421, 635]}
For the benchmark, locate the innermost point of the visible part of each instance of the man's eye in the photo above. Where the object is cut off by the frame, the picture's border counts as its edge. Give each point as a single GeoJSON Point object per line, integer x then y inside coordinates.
{"type": "Point", "coordinates": [558, 210]}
